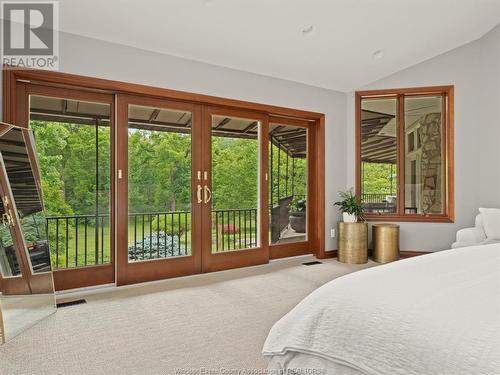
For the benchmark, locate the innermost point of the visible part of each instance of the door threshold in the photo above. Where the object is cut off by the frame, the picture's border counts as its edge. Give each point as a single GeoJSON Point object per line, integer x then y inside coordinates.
{"type": "Point", "coordinates": [291, 258]}
{"type": "Point", "coordinates": [80, 292]}
{"type": "Point", "coordinates": [84, 290]}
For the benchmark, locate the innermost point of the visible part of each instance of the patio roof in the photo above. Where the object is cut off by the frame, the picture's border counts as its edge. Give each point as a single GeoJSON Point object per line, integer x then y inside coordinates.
{"type": "Point", "coordinates": [18, 166]}
{"type": "Point", "coordinates": [292, 140]}
{"type": "Point", "coordinates": [377, 144]}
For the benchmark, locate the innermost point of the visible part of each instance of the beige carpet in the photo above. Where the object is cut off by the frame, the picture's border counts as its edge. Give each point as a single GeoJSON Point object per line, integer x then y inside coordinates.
{"type": "Point", "coordinates": [215, 322]}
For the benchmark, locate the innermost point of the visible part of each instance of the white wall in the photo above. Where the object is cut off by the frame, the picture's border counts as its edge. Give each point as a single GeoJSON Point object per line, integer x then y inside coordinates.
{"type": "Point", "coordinates": [474, 69]}
{"type": "Point", "coordinates": [90, 57]}
{"type": "Point", "coordinates": [489, 112]}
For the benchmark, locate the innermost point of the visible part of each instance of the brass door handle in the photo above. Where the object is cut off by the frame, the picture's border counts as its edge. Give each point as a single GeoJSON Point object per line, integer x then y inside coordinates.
{"type": "Point", "coordinates": [7, 219]}
{"type": "Point", "coordinates": [207, 193]}
{"type": "Point", "coordinates": [198, 193]}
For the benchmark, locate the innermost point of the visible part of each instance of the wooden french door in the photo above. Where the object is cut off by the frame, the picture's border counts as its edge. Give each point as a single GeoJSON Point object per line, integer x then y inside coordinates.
{"type": "Point", "coordinates": [234, 183]}
{"type": "Point", "coordinates": [162, 232]}
{"type": "Point", "coordinates": [159, 206]}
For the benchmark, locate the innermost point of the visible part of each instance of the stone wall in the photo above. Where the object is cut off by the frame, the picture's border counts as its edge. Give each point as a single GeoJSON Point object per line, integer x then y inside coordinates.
{"type": "Point", "coordinates": [431, 163]}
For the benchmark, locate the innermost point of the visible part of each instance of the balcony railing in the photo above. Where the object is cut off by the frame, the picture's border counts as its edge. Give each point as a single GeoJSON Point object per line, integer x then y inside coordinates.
{"type": "Point", "coordinates": [85, 240]}
{"type": "Point", "coordinates": [379, 203]}
{"type": "Point", "coordinates": [78, 240]}
{"type": "Point", "coordinates": [374, 198]}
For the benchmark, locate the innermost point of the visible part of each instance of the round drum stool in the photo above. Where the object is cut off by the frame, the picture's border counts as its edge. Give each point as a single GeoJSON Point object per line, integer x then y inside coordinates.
{"type": "Point", "coordinates": [385, 242]}
{"type": "Point", "coordinates": [353, 243]}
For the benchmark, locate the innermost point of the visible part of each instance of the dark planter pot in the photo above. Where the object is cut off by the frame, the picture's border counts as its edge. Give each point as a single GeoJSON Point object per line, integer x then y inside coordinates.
{"type": "Point", "coordinates": [298, 221]}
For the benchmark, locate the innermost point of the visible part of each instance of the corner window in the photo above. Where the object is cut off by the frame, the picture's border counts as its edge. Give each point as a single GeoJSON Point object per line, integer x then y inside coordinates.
{"type": "Point", "coordinates": [405, 153]}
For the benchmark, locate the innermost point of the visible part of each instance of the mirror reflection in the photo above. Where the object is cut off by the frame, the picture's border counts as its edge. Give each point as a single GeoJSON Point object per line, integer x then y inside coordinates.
{"type": "Point", "coordinates": [9, 263]}
{"type": "Point", "coordinates": [26, 284]}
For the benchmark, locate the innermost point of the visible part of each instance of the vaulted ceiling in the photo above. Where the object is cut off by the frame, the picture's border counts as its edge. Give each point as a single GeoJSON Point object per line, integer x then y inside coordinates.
{"type": "Point", "coordinates": [335, 44]}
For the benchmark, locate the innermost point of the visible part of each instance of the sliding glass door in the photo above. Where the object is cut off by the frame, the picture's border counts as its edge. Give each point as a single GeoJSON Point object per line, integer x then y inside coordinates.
{"type": "Point", "coordinates": [140, 188]}
{"type": "Point", "coordinates": [73, 136]}
{"type": "Point", "coordinates": [158, 209]}
{"type": "Point", "coordinates": [234, 193]}
{"type": "Point", "coordinates": [290, 206]}
{"type": "Point", "coordinates": [202, 189]}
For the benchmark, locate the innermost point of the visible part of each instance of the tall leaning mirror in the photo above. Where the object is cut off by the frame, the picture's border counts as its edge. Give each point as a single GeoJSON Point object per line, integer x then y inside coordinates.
{"type": "Point", "coordinates": [26, 282]}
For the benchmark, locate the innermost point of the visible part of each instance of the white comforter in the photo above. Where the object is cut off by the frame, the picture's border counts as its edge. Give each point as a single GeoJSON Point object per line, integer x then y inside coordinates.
{"type": "Point", "coordinates": [434, 314]}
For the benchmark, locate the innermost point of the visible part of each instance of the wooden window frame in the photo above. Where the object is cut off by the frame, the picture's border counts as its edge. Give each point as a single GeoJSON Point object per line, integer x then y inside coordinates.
{"type": "Point", "coordinates": [447, 145]}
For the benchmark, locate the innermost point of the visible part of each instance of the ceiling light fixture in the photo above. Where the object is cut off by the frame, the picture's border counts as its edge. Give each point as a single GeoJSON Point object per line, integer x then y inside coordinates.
{"type": "Point", "coordinates": [307, 30]}
{"type": "Point", "coordinates": [378, 54]}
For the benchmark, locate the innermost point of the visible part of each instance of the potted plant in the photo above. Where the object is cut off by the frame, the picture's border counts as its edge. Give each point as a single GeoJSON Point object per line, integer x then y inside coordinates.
{"type": "Point", "coordinates": [298, 215]}
{"type": "Point", "coordinates": [350, 206]}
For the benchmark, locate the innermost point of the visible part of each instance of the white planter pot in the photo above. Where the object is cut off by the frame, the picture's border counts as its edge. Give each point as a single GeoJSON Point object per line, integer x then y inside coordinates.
{"type": "Point", "coordinates": [349, 218]}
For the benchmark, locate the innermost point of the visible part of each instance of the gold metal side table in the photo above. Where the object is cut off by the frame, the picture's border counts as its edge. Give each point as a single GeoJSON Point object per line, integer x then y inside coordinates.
{"type": "Point", "coordinates": [353, 243]}
{"type": "Point", "coordinates": [385, 242]}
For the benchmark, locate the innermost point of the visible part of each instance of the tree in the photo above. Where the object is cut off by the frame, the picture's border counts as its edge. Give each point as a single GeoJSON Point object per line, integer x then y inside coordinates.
{"type": "Point", "coordinates": [379, 178]}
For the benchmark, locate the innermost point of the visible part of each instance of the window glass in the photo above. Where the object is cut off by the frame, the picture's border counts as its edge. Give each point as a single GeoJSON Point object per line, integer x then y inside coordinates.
{"type": "Point", "coordinates": [287, 183]}
{"type": "Point", "coordinates": [424, 179]}
{"type": "Point", "coordinates": [235, 183]}
{"type": "Point", "coordinates": [73, 142]}
{"type": "Point", "coordinates": [379, 152]}
{"type": "Point", "coordinates": [159, 183]}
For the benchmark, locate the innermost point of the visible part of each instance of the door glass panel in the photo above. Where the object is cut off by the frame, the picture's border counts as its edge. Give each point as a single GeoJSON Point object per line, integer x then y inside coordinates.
{"type": "Point", "coordinates": [9, 262]}
{"type": "Point", "coordinates": [287, 183]}
{"type": "Point", "coordinates": [235, 183]}
{"type": "Point", "coordinates": [73, 141]}
{"type": "Point", "coordinates": [424, 156]}
{"type": "Point", "coordinates": [159, 183]}
{"type": "Point", "coordinates": [379, 152]}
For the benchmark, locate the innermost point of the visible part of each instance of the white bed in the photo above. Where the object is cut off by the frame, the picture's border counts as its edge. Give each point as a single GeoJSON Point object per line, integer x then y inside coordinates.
{"type": "Point", "coordinates": [434, 314]}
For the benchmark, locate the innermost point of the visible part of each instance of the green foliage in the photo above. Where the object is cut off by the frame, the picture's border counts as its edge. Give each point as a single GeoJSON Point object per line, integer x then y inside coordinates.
{"type": "Point", "coordinates": [159, 171]}
{"type": "Point", "coordinates": [68, 161]}
{"type": "Point", "coordinates": [298, 205]}
{"type": "Point", "coordinates": [177, 225]}
{"type": "Point", "coordinates": [5, 236]}
{"type": "Point", "coordinates": [34, 227]}
{"type": "Point", "coordinates": [350, 204]}
{"type": "Point", "coordinates": [235, 170]}
{"type": "Point", "coordinates": [379, 178]}
{"type": "Point", "coordinates": [51, 141]}
{"type": "Point", "coordinates": [159, 177]}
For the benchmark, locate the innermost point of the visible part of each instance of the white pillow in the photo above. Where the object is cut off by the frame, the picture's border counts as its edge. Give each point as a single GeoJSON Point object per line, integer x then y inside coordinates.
{"type": "Point", "coordinates": [491, 222]}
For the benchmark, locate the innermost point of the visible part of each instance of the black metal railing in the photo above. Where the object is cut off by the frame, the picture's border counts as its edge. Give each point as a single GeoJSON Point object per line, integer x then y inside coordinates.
{"type": "Point", "coordinates": [85, 240]}
{"type": "Point", "coordinates": [78, 240]}
{"type": "Point", "coordinates": [374, 198]}
{"type": "Point", "coordinates": [234, 229]}
{"type": "Point", "coordinates": [159, 235]}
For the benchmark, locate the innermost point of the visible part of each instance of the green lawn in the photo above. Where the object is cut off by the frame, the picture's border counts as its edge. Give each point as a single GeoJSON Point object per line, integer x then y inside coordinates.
{"type": "Point", "coordinates": [71, 253]}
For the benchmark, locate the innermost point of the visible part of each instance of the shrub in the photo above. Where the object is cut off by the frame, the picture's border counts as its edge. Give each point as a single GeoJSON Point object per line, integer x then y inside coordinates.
{"type": "Point", "coordinates": [172, 224]}
{"type": "Point", "coordinates": [229, 229]}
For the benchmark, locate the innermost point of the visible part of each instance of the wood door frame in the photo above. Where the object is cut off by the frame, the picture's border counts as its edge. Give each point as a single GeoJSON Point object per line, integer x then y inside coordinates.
{"type": "Point", "coordinates": [238, 258]}
{"type": "Point", "coordinates": [149, 270]}
{"type": "Point", "coordinates": [83, 276]}
{"type": "Point", "coordinates": [13, 76]}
